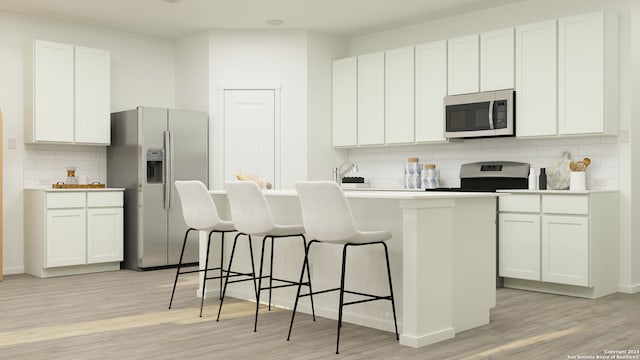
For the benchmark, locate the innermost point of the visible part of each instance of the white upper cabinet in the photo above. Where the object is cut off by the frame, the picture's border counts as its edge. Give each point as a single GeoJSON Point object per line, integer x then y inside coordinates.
{"type": "Point", "coordinates": [496, 60]}
{"type": "Point", "coordinates": [399, 96]}
{"type": "Point", "coordinates": [463, 65]}
{"type": "Point", "coordinates": [69, 99]}
{"type": "Point", "coordinates": [52, 103]}
{"type": "Point", "coordinates": [345, 100]}
{"type": "Point", "coordinates": [536, 79]}
{"type": "Point", "coordinates": [588, 74]}
{"type": "Point", "coordinates": [430, 90]}
{"type": "Point", "coordinates": [371, 99]}
{"type": "Point", "coordinates": [92, 87]}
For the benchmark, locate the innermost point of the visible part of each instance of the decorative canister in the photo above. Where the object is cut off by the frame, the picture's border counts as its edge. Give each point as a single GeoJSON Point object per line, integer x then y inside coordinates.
{"type": "Point", "coordinates": [430, 177]}
{"type": "Point", "coordinates": [412, 170]}
{"type": "Point", "coordinates": [412, 167]}
{"type": "Point", "coordinates": [412, 182]}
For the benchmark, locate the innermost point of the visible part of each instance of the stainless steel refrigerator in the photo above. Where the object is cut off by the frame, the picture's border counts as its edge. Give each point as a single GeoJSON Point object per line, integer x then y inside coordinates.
{"type": "Point", "coordinates": [150, 149]}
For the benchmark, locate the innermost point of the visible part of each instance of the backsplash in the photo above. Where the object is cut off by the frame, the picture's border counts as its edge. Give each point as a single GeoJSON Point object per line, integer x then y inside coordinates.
{"type": "Point", "coordinates": [45, 165]}
{"type": "Point", "coordinates": [382, 167]}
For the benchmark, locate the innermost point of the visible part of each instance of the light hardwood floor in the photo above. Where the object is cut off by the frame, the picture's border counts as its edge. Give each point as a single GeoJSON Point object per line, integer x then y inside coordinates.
{"type": "Point", "coordinates": [124, 315]}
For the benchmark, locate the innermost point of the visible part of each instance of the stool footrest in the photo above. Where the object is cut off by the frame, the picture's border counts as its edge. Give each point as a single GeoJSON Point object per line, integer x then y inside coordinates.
{"type": "Point", "coordinates": [287, 283]}
{"type": "Point", "coordinates": [231, 274]}
{"type": "Point", "coordinates": [199, 270]}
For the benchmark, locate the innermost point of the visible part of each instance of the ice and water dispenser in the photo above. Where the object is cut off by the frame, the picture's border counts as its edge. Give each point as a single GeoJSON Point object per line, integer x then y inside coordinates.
{"type": "Point", "coordinates": [155, 159]}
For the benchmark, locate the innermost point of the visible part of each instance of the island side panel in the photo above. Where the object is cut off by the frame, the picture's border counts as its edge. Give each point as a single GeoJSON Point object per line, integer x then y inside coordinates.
{"type": "Point", "coordinates": [427, 271]}
{"type": "Point", "coordinates": [474, 261]}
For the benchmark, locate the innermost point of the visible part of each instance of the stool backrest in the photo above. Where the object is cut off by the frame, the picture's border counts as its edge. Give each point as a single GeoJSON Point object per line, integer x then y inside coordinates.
{"type": "Point", "coordinates": [198, 209]}
{"type": "Point", "coordinates": [250, 211]}
{"type": "Point", "coordinates": [326, 214]}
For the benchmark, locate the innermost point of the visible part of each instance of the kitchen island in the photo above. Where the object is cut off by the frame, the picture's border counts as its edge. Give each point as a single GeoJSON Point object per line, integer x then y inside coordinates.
{"type": "Point", "coordinates": [442, 254]}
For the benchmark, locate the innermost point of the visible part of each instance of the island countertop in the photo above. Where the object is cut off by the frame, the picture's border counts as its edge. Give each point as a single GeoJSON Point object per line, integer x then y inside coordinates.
{"type": "Point", "coordinates": [442, 254]}
{"type": "Point", "coordinates": [384, 194]}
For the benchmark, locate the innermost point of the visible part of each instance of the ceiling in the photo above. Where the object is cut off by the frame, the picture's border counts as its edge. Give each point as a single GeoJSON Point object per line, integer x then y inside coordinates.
{"type": "Point", "coordinates": [176, 18]}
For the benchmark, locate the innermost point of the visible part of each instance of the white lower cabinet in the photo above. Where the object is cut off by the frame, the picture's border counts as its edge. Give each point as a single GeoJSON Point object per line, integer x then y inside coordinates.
{"type": "Point", "coordinates": [559, 241]}
{"type": "Point", "coordinates": [565, 249]}
{"type": "Point", "coordinates": [73, 232]}
{"type": "Point", "coordinates": [519, 255]}
{"type": "Point", "coordinates": [65, 238]}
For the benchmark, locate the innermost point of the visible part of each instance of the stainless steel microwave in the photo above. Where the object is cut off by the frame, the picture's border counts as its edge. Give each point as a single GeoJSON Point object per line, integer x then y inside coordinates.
{"type": "Point", "coordinates": [483, 114]}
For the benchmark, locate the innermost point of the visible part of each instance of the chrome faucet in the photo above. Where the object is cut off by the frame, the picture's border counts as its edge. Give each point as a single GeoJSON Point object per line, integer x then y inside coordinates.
{"type": "Point", "coordinates": [338, 173]}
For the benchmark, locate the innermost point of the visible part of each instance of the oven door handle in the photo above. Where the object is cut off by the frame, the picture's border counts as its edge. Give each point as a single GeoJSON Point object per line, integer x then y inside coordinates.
{"type": "Point", "coordinates": [491, 114]}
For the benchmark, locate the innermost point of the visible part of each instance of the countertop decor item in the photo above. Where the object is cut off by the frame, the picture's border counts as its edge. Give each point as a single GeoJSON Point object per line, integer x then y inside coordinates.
{"type": "Point", "coordinates": [78, 186]}
{"type": "Point", "coordinates": [558, 172]}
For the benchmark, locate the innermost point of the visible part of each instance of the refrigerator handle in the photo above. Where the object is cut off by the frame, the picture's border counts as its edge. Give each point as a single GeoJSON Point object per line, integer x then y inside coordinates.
{"type": "Point", "coordinates": [171, 172]}
{"type": "Point", "coordinates": [167, 170]}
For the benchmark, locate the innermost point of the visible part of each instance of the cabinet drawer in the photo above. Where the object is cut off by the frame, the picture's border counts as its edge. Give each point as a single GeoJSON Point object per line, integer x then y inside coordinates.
{"type": "Point", "coordinates": [519, 203]}
{"type": "Point", "coordinates": [65, 200]}
{"type": "Point", "coordinates": [565, 204]}
{"type": "Point", "coordinates": [105, 199]}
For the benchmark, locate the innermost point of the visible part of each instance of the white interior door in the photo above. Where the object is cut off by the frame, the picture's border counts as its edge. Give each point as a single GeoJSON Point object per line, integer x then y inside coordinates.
{"type": "Point", "coordinates": [249, 134]}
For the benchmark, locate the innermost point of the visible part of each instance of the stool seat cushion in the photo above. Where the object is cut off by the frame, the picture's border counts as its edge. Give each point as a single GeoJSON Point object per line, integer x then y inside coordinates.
{"type": "Point", "coordinates": [327, 216]}
{"type": "Point", "coordinates": [223, 225]}
{"type": "Point", "coordinates": [198, 209]}
{"type": "Point", "coordinates": [282, 230]}
{"type": "Point", "coordinates": [365, 237]}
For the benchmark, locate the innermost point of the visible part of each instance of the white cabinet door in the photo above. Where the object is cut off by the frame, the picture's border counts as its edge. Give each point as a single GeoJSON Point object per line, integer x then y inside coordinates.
{"type": "Point", "coordinates": [463, 65]}
{"type": "Point", "coordinates": [104, 235]}
{"type": "Point", "coordinates": [371, 99]}
{"type": "Point", "coordinates": [587, 55]}
{"type": "Point", "coordinates": [565, 249]}
{"type": "Point", "coordinates": [399, 98]}
{"type": "Point", "coordinates": [92, 96]}
{"type": "Point", "coordinates": [53, 93]}
{"type": "Point", "coordinates": [66, 237]}
{"type": "Point", "coordinates": [519, 246]}
{"type": "Point", "coordinates": [536, 84]}
{"type": "Point", "coordinates": [496, 60]}
{"type": "Point", "coordinates": [431, 88]}
{"type": "Point", "coordinates": [345, 97]}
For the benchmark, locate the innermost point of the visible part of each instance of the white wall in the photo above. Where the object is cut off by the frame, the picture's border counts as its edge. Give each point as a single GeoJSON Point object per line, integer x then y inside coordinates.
{"type": "Point", "coordinates": [612, 167]}
{"type": "Point", "coordinates": [257, 59]}
{"type": "Point", "coordinates": [142, 73]}
{"type": "Point", "coordinates": [192, 72]}
{"type": "Point", "coordinates": [322, 157]}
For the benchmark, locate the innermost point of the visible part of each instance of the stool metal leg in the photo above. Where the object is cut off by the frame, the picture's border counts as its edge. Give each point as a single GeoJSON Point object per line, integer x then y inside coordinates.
{"type": "Point", "coordinates": [175, 282]}
{"type": "Point", "coordinates": [255, 323]}
{"type": "Point", "coordinates": [313, 309]}
{"type": "Point", "coordinates": [305, 266]}
{"type": "Point", "coordinates": [226, 281]}
{"type": "Point", "coordinates": [221, 263]}
{"type": "Point", "coordinates": [393, 304]}
{"type": "Point", "coordinates": [344, 263]}
{"type": "Point", "coordinates": [206, 269]}
{"type": "Point", "coordinates": [271, 274]}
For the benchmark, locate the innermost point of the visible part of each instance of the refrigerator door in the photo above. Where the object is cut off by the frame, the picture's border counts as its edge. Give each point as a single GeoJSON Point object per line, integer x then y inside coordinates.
{"type": "Point", "coordinates": [152, 242]}
{"type": "Point", "coordinates": [189, 161]}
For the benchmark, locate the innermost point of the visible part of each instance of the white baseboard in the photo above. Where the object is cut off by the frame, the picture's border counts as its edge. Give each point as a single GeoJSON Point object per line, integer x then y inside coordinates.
{"type": "Point", "coordinates": [13, 270]}
{"type": "Point", "coordinates": [629, 289]}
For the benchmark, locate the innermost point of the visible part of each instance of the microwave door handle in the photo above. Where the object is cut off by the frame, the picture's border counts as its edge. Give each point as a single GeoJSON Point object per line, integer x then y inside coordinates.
{"type": "Point", "coordinates": [491, 114]}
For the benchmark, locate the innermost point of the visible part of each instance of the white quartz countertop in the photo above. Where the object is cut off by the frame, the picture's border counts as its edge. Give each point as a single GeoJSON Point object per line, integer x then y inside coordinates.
{"type": "Point", "coordinates": [77, 190]}
{"type": "Point", "coordinates": [565, 192]}
{"type": "Point", "coordinates": [383, 194]}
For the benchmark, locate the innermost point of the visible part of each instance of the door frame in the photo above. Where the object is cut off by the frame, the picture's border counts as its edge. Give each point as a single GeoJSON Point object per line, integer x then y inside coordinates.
{"type": "Point", "coordinates": [217, 167]}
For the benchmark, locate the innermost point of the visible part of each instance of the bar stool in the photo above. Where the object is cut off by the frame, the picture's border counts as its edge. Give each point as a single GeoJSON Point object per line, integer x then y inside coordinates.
{"type": "Point", "coordinates": [253, 217]}
{"type": "Point", "coordinates": [200, 214]}
{"type": "Point", "coordinates": [327, 218]}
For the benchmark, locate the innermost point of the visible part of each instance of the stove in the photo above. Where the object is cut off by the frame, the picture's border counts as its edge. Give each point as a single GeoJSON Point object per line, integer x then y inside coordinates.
{"type": "Point", "coordinates": [489, 176]}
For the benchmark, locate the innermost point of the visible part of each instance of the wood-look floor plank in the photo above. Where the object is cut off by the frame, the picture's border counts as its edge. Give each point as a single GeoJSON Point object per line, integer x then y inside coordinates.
{"type": "Point", "coordinates": [124, 315]}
